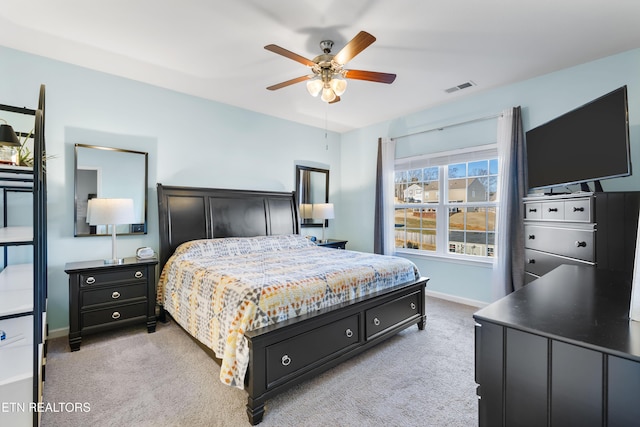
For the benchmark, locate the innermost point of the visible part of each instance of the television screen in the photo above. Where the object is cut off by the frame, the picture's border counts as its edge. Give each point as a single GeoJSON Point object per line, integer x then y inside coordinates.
{"type": "Point", "coordinates": [587, 144]}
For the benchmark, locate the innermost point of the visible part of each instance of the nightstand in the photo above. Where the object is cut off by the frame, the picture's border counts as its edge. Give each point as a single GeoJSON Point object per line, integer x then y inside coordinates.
{"type": "Point", "coordinates": [333, 243]}
{"type": "Point", "coordinates": [107, 296]}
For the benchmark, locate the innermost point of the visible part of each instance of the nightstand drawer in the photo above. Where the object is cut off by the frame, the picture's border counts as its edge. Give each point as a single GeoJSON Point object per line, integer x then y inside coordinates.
{"type": "Point", "coordinates": [113, 294]}
{"type": "Point", "coordinates": [112, 276]}
{"type": "Point", "coordinates": [113, 314]}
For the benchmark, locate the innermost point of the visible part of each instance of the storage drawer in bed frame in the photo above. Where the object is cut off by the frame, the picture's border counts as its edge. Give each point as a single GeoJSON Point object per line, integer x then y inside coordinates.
{"type": "Point", "coordinates": [291, 355]}
{"type": "Point", "coordinates": [290, 352]}
{"type": "Point", "coordinates": [392, 314]}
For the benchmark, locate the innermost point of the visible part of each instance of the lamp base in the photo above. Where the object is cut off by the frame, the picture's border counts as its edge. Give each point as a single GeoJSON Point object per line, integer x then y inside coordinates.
{"type": "Point", "coordinates": [114, 261]}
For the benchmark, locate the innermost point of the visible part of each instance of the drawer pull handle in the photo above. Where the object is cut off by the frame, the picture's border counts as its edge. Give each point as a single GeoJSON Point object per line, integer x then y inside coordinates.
{"type": "Point", "coordinates": [578, 209]}
{"type": "Point", "coordinates": [412, 305]}
{"type": "Point", "coordinates": [138, 274]}
{"type": "Point", "coordinates": [553, 209]}
{"type": "Point", "coordinates": [115, 295]}
{"type": "Point", "coordinates": [286, 360]}
{"type": "Point", "coordinates": [532, 236]}
{"type": "Point", "coordinates": [533, 210]}
{"type": "Point", "coordinates": [580, 244]}
{"type": "Point", "coordinates": [531, 261]}
{"type": "Point", "coordinates": [348, 333]}
{"type": "Point", "coordinates": [115, 315]}
{"type": "Point", "coordinates": [90, 280]}
{"type": "Point", "coordinates": [376, 321]}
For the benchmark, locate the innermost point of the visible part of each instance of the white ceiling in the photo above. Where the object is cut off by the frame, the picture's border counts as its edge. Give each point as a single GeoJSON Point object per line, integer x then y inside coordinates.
{"type": "Point", "coordinates": [214, 48]}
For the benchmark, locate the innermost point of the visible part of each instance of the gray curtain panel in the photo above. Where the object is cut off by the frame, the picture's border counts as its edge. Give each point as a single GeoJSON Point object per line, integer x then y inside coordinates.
{"type": "Point", "coordinates": [378, 229]}
{"type": "Point", "coordinates": [515, 207]}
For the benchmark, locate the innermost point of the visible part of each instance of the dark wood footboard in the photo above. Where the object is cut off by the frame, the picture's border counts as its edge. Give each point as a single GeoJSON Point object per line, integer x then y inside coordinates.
{"type": "Point", "coordinates": [290, 352]}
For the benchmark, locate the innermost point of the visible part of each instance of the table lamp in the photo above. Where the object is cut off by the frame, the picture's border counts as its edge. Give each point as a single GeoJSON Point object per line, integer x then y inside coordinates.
{"type": "Point", "coordinates": [111, 212]}
{"type": "Point", "coordinates": [323, 211]}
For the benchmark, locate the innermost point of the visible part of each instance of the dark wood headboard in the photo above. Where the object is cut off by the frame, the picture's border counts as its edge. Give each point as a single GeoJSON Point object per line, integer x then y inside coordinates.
{"type": "Point", "coordinates": [191, 213]}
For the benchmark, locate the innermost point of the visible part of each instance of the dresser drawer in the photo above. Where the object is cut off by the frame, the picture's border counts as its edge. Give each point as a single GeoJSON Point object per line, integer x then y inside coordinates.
{"type": "Point", "coordinates": [113, 294]}
{"type": "Point", "coordinates": [113, 276]}
{"type": "Point", "coordinates": [290, 355]}
{"type": "Point", "coordinates": [388, 315]}
{"type": "Point", "coordinates": [540, 263]}
{"type": "Point", "coordinates": [574, 209]}
{"type": "Point", "coordinates": [113, 314]}
{"type": "Point", "coordinates": [569, 242]}
{"type": "Point", "coordinates": [578, 210]}
{"type": "Point", "coordinates": [553, 211]}
{"type": "Point", "coordinates": [533, 210]}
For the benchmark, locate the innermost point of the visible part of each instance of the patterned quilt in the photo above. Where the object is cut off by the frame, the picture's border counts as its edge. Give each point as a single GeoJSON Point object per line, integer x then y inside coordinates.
{"type": "Point", "coordinates": [219, 288]}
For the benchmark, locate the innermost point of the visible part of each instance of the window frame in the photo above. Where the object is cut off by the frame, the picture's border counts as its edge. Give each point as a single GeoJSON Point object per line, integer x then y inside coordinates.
{"type": "Point", "coordinates": [442, 160]}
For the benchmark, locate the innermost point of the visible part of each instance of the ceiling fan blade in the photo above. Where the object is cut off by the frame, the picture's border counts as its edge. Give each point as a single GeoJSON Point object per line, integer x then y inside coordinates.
{"type": "Point", "coordinates": [357, 44]}
{"type": "Point", "coordinates": [371, 76]}
{"type": "Point", "coordinates": [291, 82]}
{"type": "Point", "coordinates": [335, 100]}
{"type": "Point", "coordinates": [288, 54]}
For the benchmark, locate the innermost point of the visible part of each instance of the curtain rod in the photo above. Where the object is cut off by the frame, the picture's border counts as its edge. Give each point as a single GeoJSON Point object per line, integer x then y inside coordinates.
{"type": "Point", "coordinates": [479, 119]}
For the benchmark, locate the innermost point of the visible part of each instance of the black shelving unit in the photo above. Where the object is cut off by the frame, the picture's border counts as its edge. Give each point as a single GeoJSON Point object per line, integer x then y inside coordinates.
{"type": "Point", "coordinates": [23, 284]}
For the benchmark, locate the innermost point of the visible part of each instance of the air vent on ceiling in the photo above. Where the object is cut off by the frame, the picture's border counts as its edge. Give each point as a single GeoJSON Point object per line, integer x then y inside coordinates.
{"type": "Point", "coordinates": [460, 87]}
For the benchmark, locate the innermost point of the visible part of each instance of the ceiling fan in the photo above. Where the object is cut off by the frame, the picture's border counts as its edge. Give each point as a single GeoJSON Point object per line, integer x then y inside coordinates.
{"type": "Point", "coordinates": [328, 70]}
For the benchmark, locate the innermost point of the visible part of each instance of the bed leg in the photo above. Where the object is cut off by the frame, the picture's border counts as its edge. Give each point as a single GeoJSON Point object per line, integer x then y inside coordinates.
{"type": "Point", "coordinates": [162, 315]}
{"type": "Point", "coordinates": [255, 410]}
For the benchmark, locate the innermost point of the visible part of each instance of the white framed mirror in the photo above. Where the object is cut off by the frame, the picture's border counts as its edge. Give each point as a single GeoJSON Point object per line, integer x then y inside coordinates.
{"type": "Point", "coordinates": [107, 172]}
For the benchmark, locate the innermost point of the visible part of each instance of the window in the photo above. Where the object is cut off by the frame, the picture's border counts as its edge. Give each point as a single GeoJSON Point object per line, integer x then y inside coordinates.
{"type": "Point", "coordinates": [446, 204]}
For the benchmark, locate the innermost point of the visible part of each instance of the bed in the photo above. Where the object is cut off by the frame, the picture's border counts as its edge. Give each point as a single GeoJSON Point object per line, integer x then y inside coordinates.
{"type": "Point", "coordinates": [311, 309]}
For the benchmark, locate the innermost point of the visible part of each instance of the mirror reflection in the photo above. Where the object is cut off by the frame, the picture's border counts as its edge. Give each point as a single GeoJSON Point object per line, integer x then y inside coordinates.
{"type": "Point", "coordinates": [106, 172]}
{"type": "Point", "coordinates": [312, 186]}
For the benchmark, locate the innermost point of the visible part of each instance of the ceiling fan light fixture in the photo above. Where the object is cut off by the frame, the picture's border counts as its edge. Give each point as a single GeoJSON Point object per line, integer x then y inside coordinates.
{"type": "Point", "coordinates": [328, 94]}
{"type": "Point", "coordinates": [339, 85]}
{"type": "Point", "coordinates": [329, 75]}
{"type": "Point", "coordinates": [314, 86]}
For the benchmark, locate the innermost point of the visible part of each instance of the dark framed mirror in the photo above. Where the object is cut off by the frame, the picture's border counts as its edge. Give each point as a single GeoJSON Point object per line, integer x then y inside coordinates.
{"type": "Point", "coordinates": [107, 172]}
{"type": "Point", "coordinates": [312, 186]}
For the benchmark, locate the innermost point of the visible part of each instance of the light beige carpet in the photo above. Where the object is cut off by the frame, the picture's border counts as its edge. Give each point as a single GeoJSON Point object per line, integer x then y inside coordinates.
{"type": "Point", "coordinates": [132, 378]}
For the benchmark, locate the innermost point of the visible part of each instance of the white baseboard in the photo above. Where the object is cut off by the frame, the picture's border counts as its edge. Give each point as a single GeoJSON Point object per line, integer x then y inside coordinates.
{"type": "Point", "coordinates": [57, 333]}
{"type": "Point", "coordinates": [459, 300]}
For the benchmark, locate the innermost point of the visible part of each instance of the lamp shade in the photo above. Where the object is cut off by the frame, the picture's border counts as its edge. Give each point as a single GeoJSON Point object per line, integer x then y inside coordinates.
{"type": "Point", "coordinates": [323, 211]}
{"type": "Point", "coordinates": [110, 211]}
{"type": "Point", "coordinates": [8, 136]}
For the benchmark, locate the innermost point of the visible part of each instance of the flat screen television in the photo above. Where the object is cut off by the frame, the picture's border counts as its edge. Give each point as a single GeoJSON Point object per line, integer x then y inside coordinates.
{"type": "Point", "coordinates": [587, 144]}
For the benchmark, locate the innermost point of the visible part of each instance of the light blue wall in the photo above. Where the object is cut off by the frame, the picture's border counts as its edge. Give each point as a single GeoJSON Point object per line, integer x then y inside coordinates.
{"type": "Point", "coordinates": [541, 99]}
{"type": "Point", "coordinates": [190, 141]}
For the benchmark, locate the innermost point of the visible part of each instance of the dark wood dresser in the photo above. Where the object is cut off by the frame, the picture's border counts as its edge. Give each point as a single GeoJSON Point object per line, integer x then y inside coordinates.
{"type": "Point", "coordinates": [581, 229]}
{"type": "Point", "coordinates": [107, 296]}
{"type": "Point", "coordinates": [560, 352]}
